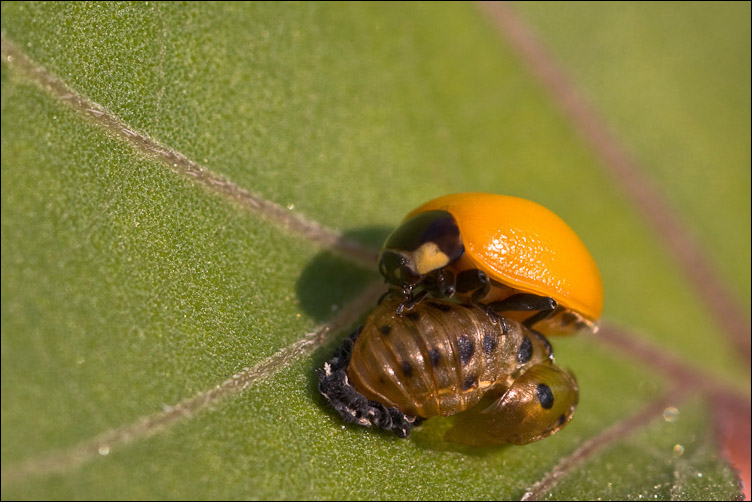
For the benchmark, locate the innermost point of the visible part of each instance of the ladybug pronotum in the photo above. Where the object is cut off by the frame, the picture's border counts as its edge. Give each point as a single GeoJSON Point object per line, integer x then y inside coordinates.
{"type": "Point", "coordinates": [442, 358]}
{"type": "Point", "coordinates": [509, 254]}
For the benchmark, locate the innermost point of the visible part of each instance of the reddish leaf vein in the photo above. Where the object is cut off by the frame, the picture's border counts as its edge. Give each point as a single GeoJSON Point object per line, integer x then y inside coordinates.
{"type": "Point", "coordinates": [626, 172]}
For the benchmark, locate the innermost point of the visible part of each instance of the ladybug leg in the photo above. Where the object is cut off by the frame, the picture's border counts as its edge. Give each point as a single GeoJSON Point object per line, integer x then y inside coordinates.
{"type": "Point", "coordinates": [523, 302]}
{"type": "Point", "coordinates": [494, 317]}
{"type": "Point", "coordinates": [543, 314]}
{"type": "Point", "coordinates": [475, 281]}
{"type": "Point", "coordinates": [405, 293]}
{"type": "Point", "coordinates": [411, 301]}
{"type": "Point", "coordinates": [440, 283]}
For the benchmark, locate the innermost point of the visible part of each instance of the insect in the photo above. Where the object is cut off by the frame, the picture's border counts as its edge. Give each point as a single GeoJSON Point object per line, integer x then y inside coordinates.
{"type": "Point", "coordinates": [442, 358]}
{"type": "Point", "coordinates": [509, 254]}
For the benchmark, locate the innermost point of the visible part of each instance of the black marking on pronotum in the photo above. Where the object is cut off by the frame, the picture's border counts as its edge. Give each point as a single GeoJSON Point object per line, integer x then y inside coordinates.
{"type": "Point", "coordinates": [525, 353]}
{"type": "Point", "coordinates": [435, 356]}
{"type": "Point", "coordinates": [545, 396]}
{"type": "Point", "coordinates": [440, 306]}
{"type": "Point", "coordinates": [467, 348]}
{"type": "Point", "coordinates": [469, 382]}
{"type": "Point", "coordinates": [407, 368]}
{"type": "Point", "coordinates": [489, 343]}
{"type": "Point", "coordinates": [385, 329]}
{"type": "Point", "coordinates": [413, 316]}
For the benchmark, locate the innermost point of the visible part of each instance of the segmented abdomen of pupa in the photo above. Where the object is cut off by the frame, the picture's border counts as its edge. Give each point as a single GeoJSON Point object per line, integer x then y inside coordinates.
{"type": "Point", "coordinates": [440, 357]}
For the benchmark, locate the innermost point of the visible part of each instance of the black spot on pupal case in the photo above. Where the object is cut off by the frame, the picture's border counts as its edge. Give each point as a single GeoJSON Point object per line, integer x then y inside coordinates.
{"type": "Point", "coordinates": [469, 382]}
{"type": "Point", "coordinates": [407, 369]}
{"type": "Point", "coordinates": [435, 356]}
{"type": "Point", "coordinates": [466, 348]}
{"type": "Point", "coordinates": [525, 352]}
{"type": "Point", "coordinates": [545, 396]}
{"type": "Point", "coordinates": [489, 343]}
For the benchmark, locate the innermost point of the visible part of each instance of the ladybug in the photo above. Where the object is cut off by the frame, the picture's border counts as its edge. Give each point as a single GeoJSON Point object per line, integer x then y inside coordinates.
{"type": "Point", "coordinates": [506, 253]}
{"type": "Point", "coordinates": [442, 358]}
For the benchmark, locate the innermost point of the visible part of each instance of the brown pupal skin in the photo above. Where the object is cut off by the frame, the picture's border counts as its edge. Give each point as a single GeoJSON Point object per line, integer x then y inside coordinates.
{"type": "Point", "coordinates": [538, 404]}
{"type": "Point", "coordinates": [442, 358]}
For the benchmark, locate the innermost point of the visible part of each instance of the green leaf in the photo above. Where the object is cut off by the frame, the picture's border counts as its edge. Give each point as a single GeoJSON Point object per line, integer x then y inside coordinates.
{"type": "Point", "coordinates": [676, 455]}
{"type": "Point", "coordinates": [128, 288]}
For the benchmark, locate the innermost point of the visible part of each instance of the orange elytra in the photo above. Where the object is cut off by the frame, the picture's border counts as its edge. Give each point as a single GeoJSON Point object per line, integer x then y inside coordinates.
{"type": "Point", "coordinates": [501, 251]}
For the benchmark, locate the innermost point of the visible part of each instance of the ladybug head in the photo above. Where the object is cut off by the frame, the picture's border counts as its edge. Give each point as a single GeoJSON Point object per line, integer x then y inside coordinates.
{"type": "Point", "coordinates": [399, 268]}
{"type": "Point", "coordinates": [422, 244]}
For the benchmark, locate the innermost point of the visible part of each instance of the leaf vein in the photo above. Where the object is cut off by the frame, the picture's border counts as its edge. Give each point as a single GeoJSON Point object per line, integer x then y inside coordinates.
{"type": "Point", "coordinates": [180, 164]}
{"type": "Point", "coordinates": [148, 425]}
{"type": "Point", "coordinates": [627, 174]}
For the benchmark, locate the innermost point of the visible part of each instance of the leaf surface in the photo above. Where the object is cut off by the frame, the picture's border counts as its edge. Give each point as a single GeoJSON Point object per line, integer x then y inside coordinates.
{"type": "Point", "coordinates": [128, 288]}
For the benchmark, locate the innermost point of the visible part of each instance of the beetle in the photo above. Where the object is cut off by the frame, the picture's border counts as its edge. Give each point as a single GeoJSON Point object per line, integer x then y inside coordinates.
{"type": "Point", "coordinates": [442, 358]}
{"type": "Point", "coordinates": [509, 254]}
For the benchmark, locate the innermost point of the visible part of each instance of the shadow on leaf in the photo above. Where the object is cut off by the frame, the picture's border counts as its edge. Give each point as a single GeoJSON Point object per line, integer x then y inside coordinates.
{"type": "Point", "coordinates": [329, 281]}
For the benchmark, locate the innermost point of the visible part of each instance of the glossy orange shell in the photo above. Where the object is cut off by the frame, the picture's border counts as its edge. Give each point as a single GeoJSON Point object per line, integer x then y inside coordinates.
{"type": "Point", "coordinates": [524, 245]}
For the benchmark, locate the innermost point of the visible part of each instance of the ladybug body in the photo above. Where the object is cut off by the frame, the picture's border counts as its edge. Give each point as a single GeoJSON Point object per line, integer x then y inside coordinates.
{"type": "Point", "coordinates": [507, 253]}
{"type": "Point", "coordinates": [442, 358]}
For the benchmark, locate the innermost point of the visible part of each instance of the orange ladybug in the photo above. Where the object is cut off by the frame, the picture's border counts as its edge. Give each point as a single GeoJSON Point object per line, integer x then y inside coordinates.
{"type": "Point", "coordinates": [508, 254]}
